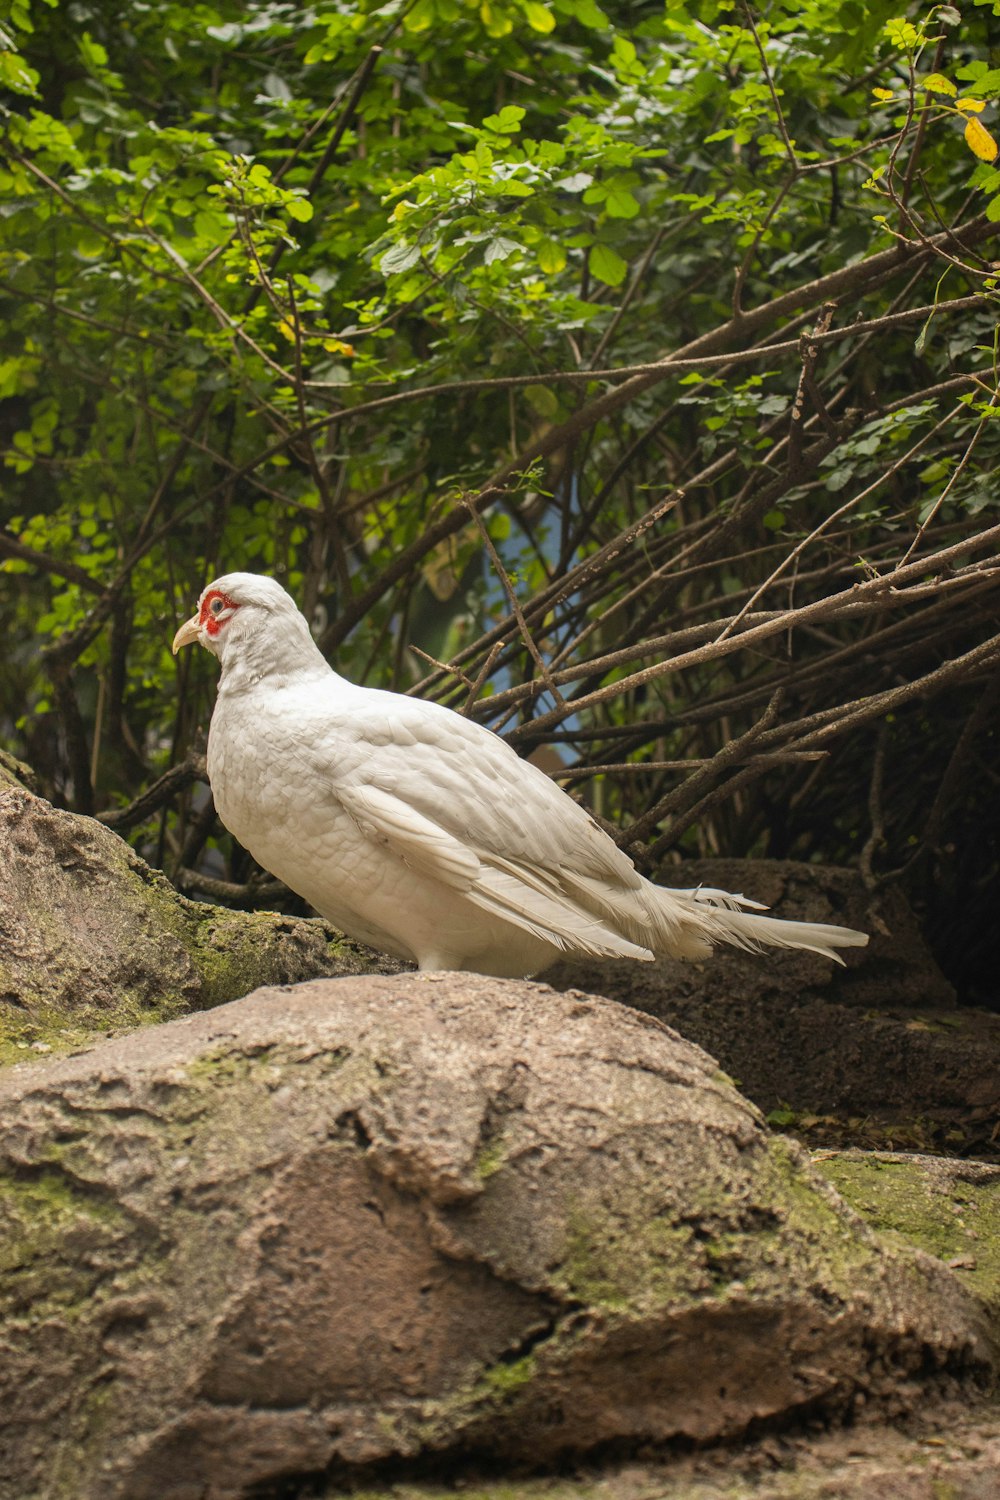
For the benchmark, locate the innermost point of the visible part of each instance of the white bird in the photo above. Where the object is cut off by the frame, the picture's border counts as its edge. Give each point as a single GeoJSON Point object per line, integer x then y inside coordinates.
{"type": "Point", "coordinates": [421, 833]}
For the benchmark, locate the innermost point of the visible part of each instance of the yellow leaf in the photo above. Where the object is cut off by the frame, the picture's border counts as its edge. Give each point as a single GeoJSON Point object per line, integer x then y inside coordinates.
{"type": "Point", "coordinates": [937, 83]}
{"type": "Point", "coordinates": [882, 93]}
{"type": "Point", "coordinates": [979, 141]}
{"type": "Point", "coordinates": [337, 346]}
{"type": "Point", "coordinates": [539, 17]}
{"type": "Point", "coordinates": [287, 329]}
{"type": "Point", "coordinates": [971, 106]}
{"type": "Point", "coordinates": [497, 22]}
{"type": "Point", "coordinates": [550, 256]}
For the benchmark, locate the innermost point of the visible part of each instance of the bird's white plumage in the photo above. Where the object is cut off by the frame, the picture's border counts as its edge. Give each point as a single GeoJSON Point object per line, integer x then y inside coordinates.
{"type": "Point", "coordinates": [420, 832]}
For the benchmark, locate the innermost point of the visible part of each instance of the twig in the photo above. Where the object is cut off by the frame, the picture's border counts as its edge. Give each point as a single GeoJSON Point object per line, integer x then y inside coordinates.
{"type": "Point", "coordinates": [730, 754]}
{"type": "Point", "coordinates": [876, 812]}
{"type": "Point", "coordinates": [443, 666]}
{"type": "Point", "coordinates": [160, 794]}
{"type": "Point", "coordinates": [512, 600]}
{"type": "Point", "coordinates": [847, 601]}
{"type": "Point", "coordinates": [960, 468]}
{"type": "Point", "coordinates": [809, 354]}
{"type": "Point", "coordinates": [484, 672]}
{"type": "Point", "coordinates": [836, 515]}
{"type": "Point", "coordinates": [625, 767]}
{"type": "Point", "coordinates": [250, 893]}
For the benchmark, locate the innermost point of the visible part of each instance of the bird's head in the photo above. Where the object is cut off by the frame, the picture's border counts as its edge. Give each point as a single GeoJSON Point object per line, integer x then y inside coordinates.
{"type": "Point", "coordinates": [247, 619]}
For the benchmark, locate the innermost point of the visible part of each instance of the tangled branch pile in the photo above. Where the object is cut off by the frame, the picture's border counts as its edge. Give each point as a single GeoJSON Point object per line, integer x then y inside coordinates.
{"type": "Point", "coordinates": [633, 371]}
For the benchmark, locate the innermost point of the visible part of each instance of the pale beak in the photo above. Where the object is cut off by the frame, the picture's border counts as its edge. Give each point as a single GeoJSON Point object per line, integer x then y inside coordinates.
{"type": "Point", "coordinates": [187, 633]}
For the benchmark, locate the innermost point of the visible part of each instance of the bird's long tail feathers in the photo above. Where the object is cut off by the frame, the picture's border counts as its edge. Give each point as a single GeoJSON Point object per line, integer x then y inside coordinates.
{"type": "Point", "coordinates": [718, 917]}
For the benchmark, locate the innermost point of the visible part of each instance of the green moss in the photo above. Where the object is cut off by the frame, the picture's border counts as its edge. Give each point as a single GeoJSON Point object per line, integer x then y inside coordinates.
{"type": "Point", "coordinates": [491, 1159]}
{"type": "Point", "coordinates": [224, 1065]}
{"type": "Point", "coordinates": [42, 1213]}
{"type": "Point", "coordinates": [782, 1231]}
{"type": "Point", "coordinates": [492, 1391]}
{"type": "Point", "coordinates": [721, 1076]}
{"type": "Point", "coordinates": [28, 1035]}
{"type": "Point", "coordinates": [235, 952]}
{"type": "Point", "coordinates": [632, 1261]}
{"type": "Point", "coordinates": [55, 1193]}
{"type": "Point", "coordinates": [505, 1379]}
{"type": "Point", "coordinates": [14, 772]}
{"type": "Point", "coordinates": [211, 956]}
{"type": "Point", "coordinates": [900, 1200]}
{"type": "Point", "coordinates": [111, 946]}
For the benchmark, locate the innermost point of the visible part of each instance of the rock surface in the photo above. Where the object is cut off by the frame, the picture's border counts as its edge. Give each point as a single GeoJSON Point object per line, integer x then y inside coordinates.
{"type": "Point", "coordinates": [358, 1220]}
{"type": "Point", "coordinates": [14, 772]}
{"type": "Point", "coordinates": [949, 1208]}
{"type": "Point", "coordinates": [955, 1455]}
{"type": "Point", "coordinates": [94, 941]}
{"type": "Point", "coordinates": [880, 1037]}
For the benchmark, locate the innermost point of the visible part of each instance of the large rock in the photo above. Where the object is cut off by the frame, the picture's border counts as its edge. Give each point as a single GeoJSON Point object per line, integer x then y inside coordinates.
{"type": "Point", "coordinates": [952, 1454]}
{"type": "Point", "coordinates": [369, 1219]}
{"type": "Point", "coordinates": [92, 940]}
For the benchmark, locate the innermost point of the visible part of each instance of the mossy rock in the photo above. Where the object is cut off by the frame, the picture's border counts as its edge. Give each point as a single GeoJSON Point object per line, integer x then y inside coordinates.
{"type": "Point", "coordinates": [949, 1208]}
{"type": "Point", "coordinates": [426, 1217]}
{"type": "Point", "coordinates": [93, 942]}
{"type": "Point", "coordinates": [14, 772]}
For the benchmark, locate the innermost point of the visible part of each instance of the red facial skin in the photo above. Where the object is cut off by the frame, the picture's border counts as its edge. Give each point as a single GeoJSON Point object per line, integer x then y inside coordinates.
{"type": "Point", "coordinates": [212, 621]}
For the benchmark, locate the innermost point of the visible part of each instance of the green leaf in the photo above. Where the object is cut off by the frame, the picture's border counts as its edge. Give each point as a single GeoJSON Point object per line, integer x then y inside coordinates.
{"type": "Point", "coordinates": [993, 210]}
{"type": "Point", "coordinates": [543, 399]}
{"type": "Point", "coordinates": [499, 249]}
{"type": "Point", "coordinates": [937, 83]}
{"type": "Point", "coordinates": [400, 258]}
{"type": "Point", "coordinates": [607, 265]}
{"type": "Point", "coordinates": [421, 17]}
{"type": "Point", "coordinates": [621, 204]}
{"type": "Point", "coordinates": [512, 188]}
{"type": "Point", "coordinates": [510, 118]}
{"type": "Point", "coordinates": [496, 19]}
{"type": "Point", "coordinates": [587, 13]}
{"type": "Point", "coordinates": [551, 256]}
{"type": "Point", "coordinates": [507, 122]}
{"type": "Point", "coordinates": [92, 52]}
{"type": "Point", "coordinates": [16, 75]}
{"type": "Point", "coordinates": [299, 209]}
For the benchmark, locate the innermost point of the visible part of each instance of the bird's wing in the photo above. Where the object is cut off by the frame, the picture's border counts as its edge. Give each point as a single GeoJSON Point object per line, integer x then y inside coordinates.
{"type": "Point", "coordinates": [471, 785]}
{"type": "Point", "coordinates": [534, 899]}
{"type": "Point", "coordinates": [419, 840]}
{"type": "Point", "coordinates": [457, 803]}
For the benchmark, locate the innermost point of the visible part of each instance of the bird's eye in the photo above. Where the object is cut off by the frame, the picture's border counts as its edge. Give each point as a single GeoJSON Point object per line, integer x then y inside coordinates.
{"type": "Point", "coordinates": [216, 606]}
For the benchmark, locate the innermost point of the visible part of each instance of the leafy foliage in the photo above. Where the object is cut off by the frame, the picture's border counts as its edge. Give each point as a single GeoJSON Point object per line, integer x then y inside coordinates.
{"type": "Point", "coordinates": [674, 325]}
